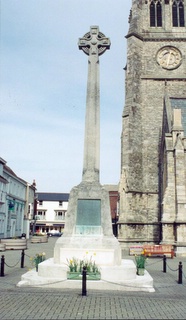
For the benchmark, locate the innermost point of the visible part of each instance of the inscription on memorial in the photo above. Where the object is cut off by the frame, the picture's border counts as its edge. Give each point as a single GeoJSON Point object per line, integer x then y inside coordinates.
{"type": "Point", "coordinates": [88, 216]}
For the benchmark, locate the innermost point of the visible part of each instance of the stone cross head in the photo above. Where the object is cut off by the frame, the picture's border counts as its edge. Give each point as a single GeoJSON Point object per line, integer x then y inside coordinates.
{"type": "Point", "coordinates": [94, 42]}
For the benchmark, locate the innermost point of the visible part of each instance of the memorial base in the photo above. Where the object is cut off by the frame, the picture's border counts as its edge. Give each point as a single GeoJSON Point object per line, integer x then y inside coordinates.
{"type": "Point", "coordinates": [124, 278]}
{"type": "Point", "coordinates": [104, 250]}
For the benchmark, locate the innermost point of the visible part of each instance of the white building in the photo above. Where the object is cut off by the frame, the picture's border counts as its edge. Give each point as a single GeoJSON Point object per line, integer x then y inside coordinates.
{"type": "Point", "coordinates": [51, 211]}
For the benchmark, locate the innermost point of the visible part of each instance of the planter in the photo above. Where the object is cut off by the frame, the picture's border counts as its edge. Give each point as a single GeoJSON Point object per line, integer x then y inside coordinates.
{"type": "Point", "coordinates": [2, 246]}
{"type": "Point", "coordinates": [93, 276]}
{"type": "Point", "coordinates": [37, 259]}
{"type": "Point", "coordinates": [44, 238]}
{"type": "Point", "coordinates": [74, 275]}
{"type": "Point", "coordinates": [78, 276]}
{"type": "Point", "coordinates": [39, 239]}
{"type": "Point", "coordinates": [140, 271]}
{"type": "Point", "coordinates": [35, 239]}
{"type": "Point", "coordinates": [15, 244]}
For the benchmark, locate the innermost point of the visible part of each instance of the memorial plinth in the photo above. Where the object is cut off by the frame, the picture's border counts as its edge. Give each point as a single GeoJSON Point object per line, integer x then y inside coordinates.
{"type": "Point", "coordinates": [88, 227]}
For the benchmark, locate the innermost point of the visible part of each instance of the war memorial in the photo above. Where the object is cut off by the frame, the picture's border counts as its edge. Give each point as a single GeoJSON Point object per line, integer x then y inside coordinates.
{"type": "Point", "coordinates": [88, 229]}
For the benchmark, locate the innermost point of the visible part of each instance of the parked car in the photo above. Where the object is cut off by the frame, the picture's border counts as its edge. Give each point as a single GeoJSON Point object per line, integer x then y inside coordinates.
{"type": "Point", "coordinates": [54, 233]}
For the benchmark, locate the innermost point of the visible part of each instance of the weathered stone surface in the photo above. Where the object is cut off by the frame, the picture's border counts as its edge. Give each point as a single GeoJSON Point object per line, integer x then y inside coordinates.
{"type": "Point", "coordinates": [145, 197]}
{"type": "Point", "coordinates": [94, 43]}
{"type": "Point", "coordinates": [84, 232]}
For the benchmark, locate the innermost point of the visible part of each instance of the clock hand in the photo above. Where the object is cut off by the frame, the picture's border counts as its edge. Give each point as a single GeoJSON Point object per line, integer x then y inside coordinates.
{"type": "Point", "coordinates": [169, 57]}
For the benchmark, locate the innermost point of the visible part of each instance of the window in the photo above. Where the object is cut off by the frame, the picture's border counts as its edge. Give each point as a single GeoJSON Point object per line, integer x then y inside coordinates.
{"type": "Point", "coordinates": [41, 214]}
{"type": "Point", "coordinates": [152, 14]}
{"type": "Point", "coordinates": [174, 14]}
{"type": "Point", "coordinates": [60, 215]}
{"type": "Point", "coordinates": [1, 225]}
{"type": "Point", "coordinates": [60, 203]}
{"type": "Point", "coordinates": [178, 13]}
{"type": "Point", "coordinates": [159, 14]}
{"type": "Point", "coordinates": [155, 13]}
{"type": "Point", "coordinates": [40, 202]}
{"type": "Point", "coordinates": [181, 15]}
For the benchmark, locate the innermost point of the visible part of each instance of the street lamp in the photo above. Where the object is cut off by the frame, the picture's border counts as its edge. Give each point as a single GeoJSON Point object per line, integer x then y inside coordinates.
{"type": "Point", "coordinates": [36, 217]}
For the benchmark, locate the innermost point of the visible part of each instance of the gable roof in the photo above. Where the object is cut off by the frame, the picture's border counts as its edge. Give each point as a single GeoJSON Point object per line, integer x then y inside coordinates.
{"type": "Point", "coordinates": [50, 196]}
{"type": "Point", "coordinates": [10, 171]}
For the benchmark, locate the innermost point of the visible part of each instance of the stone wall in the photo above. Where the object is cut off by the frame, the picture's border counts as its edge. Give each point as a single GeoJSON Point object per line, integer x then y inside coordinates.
{"type": "Point", "coordinates": [147, 86]}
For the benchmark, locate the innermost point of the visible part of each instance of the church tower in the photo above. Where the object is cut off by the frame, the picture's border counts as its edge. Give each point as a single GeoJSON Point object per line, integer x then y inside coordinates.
{"type": "Point", "coordinates": [155, 72]}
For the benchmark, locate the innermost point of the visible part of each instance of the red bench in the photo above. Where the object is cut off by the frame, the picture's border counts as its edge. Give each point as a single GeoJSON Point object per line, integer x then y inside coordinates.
{"type": "Point", "coordinates": [160, 249]}
{"type": "Point", "coordinates": [135, 250]}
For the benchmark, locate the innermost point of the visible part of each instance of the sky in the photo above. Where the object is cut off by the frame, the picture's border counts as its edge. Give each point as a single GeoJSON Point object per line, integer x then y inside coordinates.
{"type": "Point", "coordinates": [43, 88]}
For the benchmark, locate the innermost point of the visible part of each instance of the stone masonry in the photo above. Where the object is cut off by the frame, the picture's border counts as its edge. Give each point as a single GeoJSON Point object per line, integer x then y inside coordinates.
{"type": "Point", "coordinates": [147, 82]}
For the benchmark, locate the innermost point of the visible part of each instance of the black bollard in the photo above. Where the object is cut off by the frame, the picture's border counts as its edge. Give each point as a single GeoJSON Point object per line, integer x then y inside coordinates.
{"type": "Point", "coordinates": [180, 273]}
{"type": "Point", "coordinates": [84, 278]}
{"type": "Point", "coordinates": [164, 263]}
{"type": "Point", "coordinates": [2, 266]}
{"type": "Point", "coordinates": [22, 258]}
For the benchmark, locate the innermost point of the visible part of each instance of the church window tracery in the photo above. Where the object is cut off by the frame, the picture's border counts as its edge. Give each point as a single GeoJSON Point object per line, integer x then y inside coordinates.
{"type": "Point", "coordinates": [155, 13]}
{"type": "Point", "coordinates": [178, 19]}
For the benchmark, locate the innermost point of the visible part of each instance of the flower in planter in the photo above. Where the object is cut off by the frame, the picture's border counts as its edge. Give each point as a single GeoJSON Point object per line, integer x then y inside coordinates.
{"type": "Point", "coordinates": [141, 260]}
{"type": "Point", "coordinates": [38, 258]}
{"type": "Point", "coordinates": [76, 265]}
{"type": "Point", "coordinates": [73, 264]}
{"type": "Point", "coordinates": [90, 265]}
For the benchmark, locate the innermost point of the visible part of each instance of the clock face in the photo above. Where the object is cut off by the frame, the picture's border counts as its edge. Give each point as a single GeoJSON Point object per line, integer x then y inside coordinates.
{"type": "Point", "coordinates": [169, 57]}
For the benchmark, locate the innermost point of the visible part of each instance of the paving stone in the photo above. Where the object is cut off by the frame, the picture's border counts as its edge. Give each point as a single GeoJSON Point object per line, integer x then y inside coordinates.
{"type": "Point", "coordinates": [167, 302]}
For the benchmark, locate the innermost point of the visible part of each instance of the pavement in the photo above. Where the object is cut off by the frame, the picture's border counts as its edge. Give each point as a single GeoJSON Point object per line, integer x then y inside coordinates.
{"type": "Point", "coordinates": [167, 302]}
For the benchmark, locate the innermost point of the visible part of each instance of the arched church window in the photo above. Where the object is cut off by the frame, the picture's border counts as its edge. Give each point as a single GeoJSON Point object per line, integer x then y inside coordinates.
{"type": "Point", "coordinates": [155, 13]}
{"type": "Point", "coordinates": [174, 14]}
{"type": "Point", "coordinates": [178, 19]}
{"type": "Point", "coordinates": [181, 14]}
{"type": "Point", "coordinates": [152, 14]}
{"type": "Point", "coordinates": [159, 14]}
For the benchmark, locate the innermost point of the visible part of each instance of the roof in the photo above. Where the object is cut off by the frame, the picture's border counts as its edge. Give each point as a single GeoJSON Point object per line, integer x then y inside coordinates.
{"type": "Point", "coordinates": [111, 187]}
{"type": "Point", "coordinates": [2, 161]}
{"type": "Point", "coordinates": [9, 170]}
{"type": "Point", "coordinates": [180, 104]}
{"type": "Point", "coordinates": [2, 179]}
{"type": "Point", "coordinates": [50, 196]}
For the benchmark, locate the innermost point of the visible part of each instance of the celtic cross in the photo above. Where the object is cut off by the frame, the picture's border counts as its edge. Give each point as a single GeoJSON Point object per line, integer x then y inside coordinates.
{"type": "Point", "coordinates": [94, 43]}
